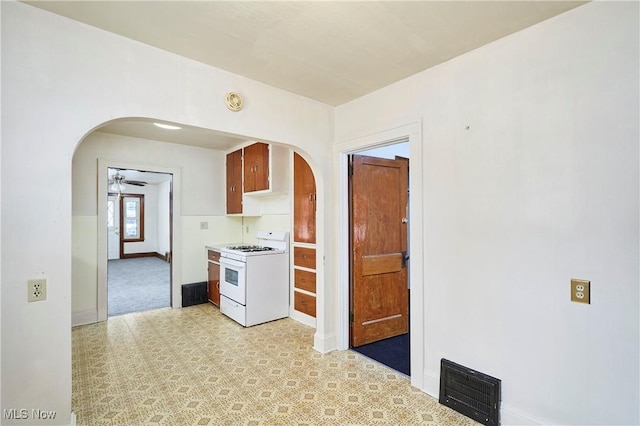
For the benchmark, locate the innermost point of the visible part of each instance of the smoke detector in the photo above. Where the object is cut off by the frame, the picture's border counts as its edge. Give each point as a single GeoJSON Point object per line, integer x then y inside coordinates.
{"type": "Point", "coordinates": [234, 101]}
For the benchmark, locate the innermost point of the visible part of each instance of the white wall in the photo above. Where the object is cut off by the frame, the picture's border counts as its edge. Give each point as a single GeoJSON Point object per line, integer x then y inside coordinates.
{"type": "Point", "coordinates": [164, 203]}
{"type": "Point", "coordinates": [60, 80]}
{"type": "Point", "coordinates": [543, 186]}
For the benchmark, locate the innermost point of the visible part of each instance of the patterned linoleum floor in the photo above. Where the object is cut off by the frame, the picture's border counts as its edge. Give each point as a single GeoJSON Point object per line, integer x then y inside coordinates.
{"type": "Point", "coordinates": [194, 366]}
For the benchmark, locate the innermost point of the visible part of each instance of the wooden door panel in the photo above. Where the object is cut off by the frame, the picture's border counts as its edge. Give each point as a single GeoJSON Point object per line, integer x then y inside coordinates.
{"type": "Point", "coordinates": [305, 280]}
{"type": "Point", "coordinates": [304, 256]}
{"type": "Point", "coordinates": [234, 182]}
{"type": "Point", "coordinates": [381, 264]}
{"type": "Point", "coordinates": [304, 303]}
{"type": "Point", "coordinates": [214, 283]}
{"type": "Point", "coordinates": [379, 293]}
{"type": "Point", "coordinates": [262, 167]}
{"type": "Point", "coordinates": [256, 167]}
{"type": "Point", "coordinates": [304, 201]}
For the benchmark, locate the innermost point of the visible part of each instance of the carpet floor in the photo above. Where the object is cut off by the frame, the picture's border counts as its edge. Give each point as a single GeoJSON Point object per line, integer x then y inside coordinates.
{"type": "Point", "coordinates": [136, 285]}
{"type": "Point", "coordinates": [392, 352]}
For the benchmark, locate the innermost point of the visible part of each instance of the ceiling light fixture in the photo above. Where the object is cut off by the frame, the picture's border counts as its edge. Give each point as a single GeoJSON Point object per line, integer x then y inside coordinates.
{"type": "Point", "coordinates": [167, 126]}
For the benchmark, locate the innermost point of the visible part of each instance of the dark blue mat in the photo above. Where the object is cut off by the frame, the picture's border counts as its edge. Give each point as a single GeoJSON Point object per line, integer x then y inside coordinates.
{"type": "Point", "coordinates": [392, 352]}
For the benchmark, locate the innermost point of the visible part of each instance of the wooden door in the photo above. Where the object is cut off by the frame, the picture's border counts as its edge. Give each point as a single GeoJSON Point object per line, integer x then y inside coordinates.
{"type": "Point", "coordinates": [379, 294]}
{"type": "Point", "coordinates": [256, 167]}
{"type": "Point", "coordinates": [304, 201]}
{"type": "Point", "coordinates": [214, 278]}
{"type": "Point", "coordinates": [234, 182]}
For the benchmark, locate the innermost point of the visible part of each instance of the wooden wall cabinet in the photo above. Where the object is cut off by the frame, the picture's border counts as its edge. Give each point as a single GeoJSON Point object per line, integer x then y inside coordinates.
{"type": "Point", "coordinates": [304, 201]}
{"type": "Point", "coordinates": [256, 167]}
{"type": "Point", "coordinates": [213, 263]}
{"type": "Point", "coordinates": [256, 170]}
{"type": "Point", "coordinates": [304, 239]}
{"type": "Point", "coordinates": [234, 182]}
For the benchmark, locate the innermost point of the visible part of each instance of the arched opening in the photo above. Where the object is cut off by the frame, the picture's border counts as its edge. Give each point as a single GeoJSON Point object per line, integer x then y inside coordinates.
{"type": "Point", "coordinates": [195, 159]}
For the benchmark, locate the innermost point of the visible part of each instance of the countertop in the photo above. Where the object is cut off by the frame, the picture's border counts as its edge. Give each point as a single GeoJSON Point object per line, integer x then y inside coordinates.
{"type": "Point", "coordinates": [218, 247]}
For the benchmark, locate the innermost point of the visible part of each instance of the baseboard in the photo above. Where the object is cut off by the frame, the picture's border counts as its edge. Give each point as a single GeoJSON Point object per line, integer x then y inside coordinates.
{"type": "Point", "coordinates": [512, 416]}
{"type": "Point", "coordinates": [303, 318]}
{"type": "Point", "coordinates": [431, 384]}
{"type": "Point", "coordinates": [146, 254]}
{"type": "Point", "coordinates": [88, 316]}
{"type": "Point", "coordinates": [72, 420]}
{"type": "Point", "coordinates": [324, 343]}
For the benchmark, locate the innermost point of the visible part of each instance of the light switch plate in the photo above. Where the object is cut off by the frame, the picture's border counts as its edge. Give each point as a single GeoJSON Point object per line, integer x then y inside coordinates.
{"type": "Point", "coordinates": [580, 291]}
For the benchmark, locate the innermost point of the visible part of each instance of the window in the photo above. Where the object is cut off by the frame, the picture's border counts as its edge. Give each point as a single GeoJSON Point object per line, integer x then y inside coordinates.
{"type": "Point", "coordinates": [132, 211]}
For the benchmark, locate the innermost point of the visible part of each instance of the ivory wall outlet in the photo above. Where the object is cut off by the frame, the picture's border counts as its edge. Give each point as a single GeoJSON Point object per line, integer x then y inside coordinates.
{"type": "Point", "coordinates": [37, 290]}
{"type": "Point", "coordinates": [580, 291]}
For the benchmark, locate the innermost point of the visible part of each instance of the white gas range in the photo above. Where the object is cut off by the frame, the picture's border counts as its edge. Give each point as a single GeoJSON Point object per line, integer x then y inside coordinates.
{"type": "Point", "coordinates": [254, 279]}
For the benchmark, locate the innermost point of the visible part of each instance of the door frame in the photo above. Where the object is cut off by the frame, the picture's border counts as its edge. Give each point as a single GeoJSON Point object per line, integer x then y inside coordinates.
{"type": "Point", "coordinates": [411, 132]}
{"type": "Point", "coordinates": [175, 234]}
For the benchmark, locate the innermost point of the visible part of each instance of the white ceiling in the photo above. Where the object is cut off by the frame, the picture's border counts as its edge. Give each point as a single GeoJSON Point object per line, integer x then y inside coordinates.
{"type": "Point", "coordinates": [151, 178]}
{"type": "Point", "coordinates": [330, 51]}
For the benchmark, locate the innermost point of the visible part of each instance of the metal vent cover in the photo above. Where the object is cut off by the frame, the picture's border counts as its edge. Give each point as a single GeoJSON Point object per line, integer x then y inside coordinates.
{"type": "Point", "coordinates": [469, 392]}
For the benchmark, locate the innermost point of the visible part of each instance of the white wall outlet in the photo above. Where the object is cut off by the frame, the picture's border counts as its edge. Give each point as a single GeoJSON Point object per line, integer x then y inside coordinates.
{"type": "Point", "coordinates": [204, 225]}
{"type": "Point", "coordinates": [37, 290]}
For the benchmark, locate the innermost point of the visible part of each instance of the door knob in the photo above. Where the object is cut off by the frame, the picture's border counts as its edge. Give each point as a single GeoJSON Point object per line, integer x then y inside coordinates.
{"type": "Point", "coordinates": [405, 220]}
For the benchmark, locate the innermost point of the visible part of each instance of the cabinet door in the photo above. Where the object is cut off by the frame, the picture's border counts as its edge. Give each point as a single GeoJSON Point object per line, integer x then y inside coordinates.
{"type": "Point", "coordinates": [234, 182]}
{"type": "Point", "coordinates": [304, 201]}
{"type": "Point", "coordinates": [214, 283]}
{"type": "Point", "coordinates": [256, 167]}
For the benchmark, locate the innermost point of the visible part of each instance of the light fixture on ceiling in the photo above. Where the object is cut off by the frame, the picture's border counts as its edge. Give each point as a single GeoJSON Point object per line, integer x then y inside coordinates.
{"type": "Point", "coordinates": [117, 185]}
{"type": "Point", "coordinates": [167, 126]}
{"type": "Point", "coordinates": [117, 181]}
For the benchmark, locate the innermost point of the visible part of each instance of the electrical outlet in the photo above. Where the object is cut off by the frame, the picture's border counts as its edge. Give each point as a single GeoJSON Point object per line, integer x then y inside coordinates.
{"type": "Point", "coordinates": [204, 225]}
{"type": "Point", "coordinates": [37, 290]}
{"type": "Point", "coordinates": [580, 291]}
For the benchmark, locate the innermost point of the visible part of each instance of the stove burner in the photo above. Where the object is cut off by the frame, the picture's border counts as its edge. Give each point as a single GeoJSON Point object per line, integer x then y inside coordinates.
{"type": "Point", "coordinates": [250, 248]}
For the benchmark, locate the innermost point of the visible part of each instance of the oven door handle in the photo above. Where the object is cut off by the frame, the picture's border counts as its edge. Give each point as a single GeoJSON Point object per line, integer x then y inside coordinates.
{"type": "Point", "coordinates": [232, 263]}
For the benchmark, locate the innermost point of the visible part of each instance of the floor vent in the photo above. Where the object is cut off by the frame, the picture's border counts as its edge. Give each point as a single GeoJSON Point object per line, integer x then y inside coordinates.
{"type": "Point", "coordinates": [469, 392]}
{"type": "Point", "coordinates": [194, 294]}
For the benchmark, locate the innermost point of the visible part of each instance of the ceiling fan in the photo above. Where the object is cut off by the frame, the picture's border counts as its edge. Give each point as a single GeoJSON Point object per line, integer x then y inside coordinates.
{"type": "Point", "coordinates": [117, 182]}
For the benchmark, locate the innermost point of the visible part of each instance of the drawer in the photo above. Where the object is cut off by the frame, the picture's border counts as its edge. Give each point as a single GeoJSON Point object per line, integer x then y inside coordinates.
{"type": "Point", "coordinates": [213, 255]}
{"type": "Point", "coordinates": [303, 256]}
{"type": "Point", "coordinates": [304, 303]}
{"type": "Point", "coordinates": [233, 310]}
{"type": "Point", "coordinates": [305, 280]}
